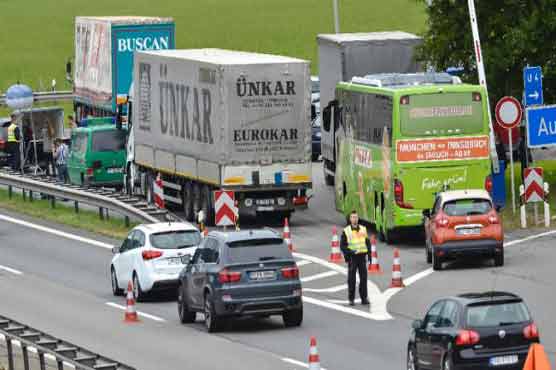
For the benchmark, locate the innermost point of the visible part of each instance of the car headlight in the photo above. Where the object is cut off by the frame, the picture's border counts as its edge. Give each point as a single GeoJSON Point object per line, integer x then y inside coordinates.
{"type": "Point", "coordinates": [248, 202]}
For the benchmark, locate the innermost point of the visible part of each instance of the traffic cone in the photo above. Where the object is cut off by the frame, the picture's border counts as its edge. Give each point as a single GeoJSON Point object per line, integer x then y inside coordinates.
{"type": "Point", "coordinates": [287, 236]}
{"type": "Point", "coordinates": [397, 281]}
{"type": "Point", "coordinates": [314, 360]}
{"type": "Point", "coordinates": [536, 359]}
{"type": "Point", "coordinates": [374, 267]}
{"type": "Point", "coordinates": [335, 254]}
{"type": "Point", "coordinates": [130, 313]}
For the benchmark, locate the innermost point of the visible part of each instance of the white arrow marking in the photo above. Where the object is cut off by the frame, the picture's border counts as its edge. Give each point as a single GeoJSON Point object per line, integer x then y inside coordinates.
{"type": "Point", "coordinates": [535, 95]}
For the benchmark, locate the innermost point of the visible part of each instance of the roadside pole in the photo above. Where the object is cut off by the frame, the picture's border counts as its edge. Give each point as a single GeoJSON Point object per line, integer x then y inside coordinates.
{"type": "Point", "coordinates": [336, 16]}
{"type": "Point", "coordinates": [512, 182]}
{"type": "Point", "coordinates": [482, 80]}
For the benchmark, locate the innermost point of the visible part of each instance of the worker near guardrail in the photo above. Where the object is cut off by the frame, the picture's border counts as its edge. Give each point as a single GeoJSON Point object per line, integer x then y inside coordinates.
{"type": "Point", "coordinates": [61, 153]}
{"type": "Point", "coordinates": [14, 138]}
{"type": "Point", "coordinates": [356, 246]}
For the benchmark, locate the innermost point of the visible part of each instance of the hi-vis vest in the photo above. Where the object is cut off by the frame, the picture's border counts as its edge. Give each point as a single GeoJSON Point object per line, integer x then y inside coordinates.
{"type": "Point", "coordinates": [11, 133]}
{"type": "Point", "coordinates": [357, 240]}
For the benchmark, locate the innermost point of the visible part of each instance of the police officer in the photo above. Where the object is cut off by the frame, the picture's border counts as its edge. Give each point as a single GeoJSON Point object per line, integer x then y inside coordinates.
{"type": "Point", "coordinates": [355, 246]}
{"type": "Point", "coordinates": [14, 137]}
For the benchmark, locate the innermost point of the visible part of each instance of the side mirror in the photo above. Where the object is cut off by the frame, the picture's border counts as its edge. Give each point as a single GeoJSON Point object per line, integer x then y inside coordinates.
{"type": "Point", "coordinates": [417, 324]}
{"type": "Point", "coordinates": [498, 208]}
{"type": "Point", "coordinates": [115, 250]}
{"type": "Point", "coordinates": [186, 259]}
{"type": "Point", "coordinates": [427, 213]}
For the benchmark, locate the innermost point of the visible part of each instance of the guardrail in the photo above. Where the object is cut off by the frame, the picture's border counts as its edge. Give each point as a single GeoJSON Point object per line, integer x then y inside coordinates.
{"type": "Point", "coordinates": [104, 199]}
{"type": "Point", "coordinates": [48, 347]}
{"type": "Point", "coordinates": [45, 96]}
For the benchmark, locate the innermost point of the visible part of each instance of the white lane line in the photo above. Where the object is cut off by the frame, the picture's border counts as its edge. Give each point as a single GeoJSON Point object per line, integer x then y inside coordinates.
{"type": "Point", "coordinates": [9, 269]}
{"type": "Point", "coordinates": [55, 232]}
{"type": "Point", "coordinates": [298, 363]}
{"type": "Point", "coordinates": [334, 289]}
{"type": "Point", "coordinates": [378, 315]}
{"type": "Point", "coordinates": [303, 263]}
{"type": "Point", "coordinates": [142, 314]}
{"type": "Point", "coordinates": [518, 241]}
{"type": "Point", "coordinates": [322, 275]}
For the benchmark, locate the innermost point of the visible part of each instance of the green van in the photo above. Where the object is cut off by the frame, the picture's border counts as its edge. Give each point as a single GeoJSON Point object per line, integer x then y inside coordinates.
{"type": "Point", "coordinates": [98, 154]}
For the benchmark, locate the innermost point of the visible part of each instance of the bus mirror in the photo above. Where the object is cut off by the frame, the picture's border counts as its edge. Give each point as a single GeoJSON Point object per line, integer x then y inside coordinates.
{"type": "Point", "coordinates": [326, 119]}
{"type": "Point", "coordinates": [427, 213]}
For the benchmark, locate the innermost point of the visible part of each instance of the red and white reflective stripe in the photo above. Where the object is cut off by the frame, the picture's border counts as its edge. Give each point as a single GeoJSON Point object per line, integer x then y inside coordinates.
{"type": "Point", "coordinates": [374, 255]}
{"type": "Point", "coordinates": [534, 185]}
{"type": "Point", "coordinates": [314, 360]}
{"type": "Point", "coordinates": [158, 191]}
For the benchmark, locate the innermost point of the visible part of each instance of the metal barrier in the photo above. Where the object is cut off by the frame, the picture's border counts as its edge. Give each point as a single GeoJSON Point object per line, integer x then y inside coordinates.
{"type": "Point", "coordinates": [45, 96]}
{"type": "Point", "coordinates": [47, 346]}
{"type": "Point", "coordinates": [104, 199]}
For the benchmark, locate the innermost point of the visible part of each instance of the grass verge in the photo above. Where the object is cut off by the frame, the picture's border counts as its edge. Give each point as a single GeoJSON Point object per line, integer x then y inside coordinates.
{"type": "Point", "coordinates": [63, 214]}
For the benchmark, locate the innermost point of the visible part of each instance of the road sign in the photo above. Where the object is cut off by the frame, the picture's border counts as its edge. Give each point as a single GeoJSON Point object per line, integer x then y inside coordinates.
{"type": "Point", "coordinates": [158, 192]}
{"type": "Point", "coordinates": [508, 112]}
{"type": "Point", "coordinates": [225, 208]}
{"type": "Point", "coordinates": [534, 185]}
{"type": "Point", "coordinates": [532, 82]}
{"type": "Point", "coordinates": [541, 126]}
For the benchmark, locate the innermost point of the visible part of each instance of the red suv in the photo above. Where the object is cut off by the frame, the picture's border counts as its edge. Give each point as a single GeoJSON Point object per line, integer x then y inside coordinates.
{"type": "Point", "coordinates": [463, 223]}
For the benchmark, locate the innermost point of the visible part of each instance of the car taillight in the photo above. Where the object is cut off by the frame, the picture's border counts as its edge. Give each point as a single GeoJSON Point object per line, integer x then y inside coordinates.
{"type": "Point", "coordinates": [477, 96]}
{"type": "Point", "coordinates": [531, 331]}
{"type": "Point", "coordinates": [467, 338]}
{"type": "Point", "coordinates": [89, 172]}
{"type": "Point", "coordinates": [290, 272]}
{"type": "Point", "coordinates": [488, 184]}
{"type": "Point", "coordinates": [441, 221]}
{"type": "Point", "coordinates": [398, 195]}
{"type": "Point", "coordinates": [299, 201]}
{"type": "Point", "coordinates": [226, 276]}
{"type": "Point", "coordinates": [149, 255]}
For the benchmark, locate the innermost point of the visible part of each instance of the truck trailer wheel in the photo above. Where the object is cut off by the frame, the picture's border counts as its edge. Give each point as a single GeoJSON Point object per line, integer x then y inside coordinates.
{"type": "Point", "coordinates": [187, 201]}
{"type": "Point", "coordinates": [328, 179]}
{"type": "Point", "coordinates": [197, 198]}
{"type": "Point", "coordinates": [208, 205]}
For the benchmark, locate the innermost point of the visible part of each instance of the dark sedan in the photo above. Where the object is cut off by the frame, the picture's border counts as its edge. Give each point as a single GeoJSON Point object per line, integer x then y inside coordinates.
{"type": "Point", "coordinates": [240, 273]}
{"type": "Point", "coordinates": [491, 330]}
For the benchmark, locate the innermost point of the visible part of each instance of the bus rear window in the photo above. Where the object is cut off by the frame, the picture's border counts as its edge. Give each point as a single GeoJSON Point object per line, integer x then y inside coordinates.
{"type": "Point", "coordinates": [442, 115]}
{"type": "Point", "coordinates": [109, 141]}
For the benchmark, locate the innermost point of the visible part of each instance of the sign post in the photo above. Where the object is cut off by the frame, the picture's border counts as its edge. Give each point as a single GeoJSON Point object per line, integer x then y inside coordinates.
{"type": "Point", "coordinates": [508, 116]}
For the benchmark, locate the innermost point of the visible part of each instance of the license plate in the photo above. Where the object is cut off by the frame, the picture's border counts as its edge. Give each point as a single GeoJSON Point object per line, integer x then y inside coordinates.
{"type": "Point", "coordinates": [262, 275]}
{"type": "Point", "coordinates": [503, 360]}
{"type": "Point", "coordinates": [468, 231]}
{"type": "Point", "coordinates": [174, 261]}
{"type": "Point", "coordinates": [265, 208]}
{"type": "Point", "coordinates": [265, 202]}
{"type": "Point", "coordinates": [114, 170]}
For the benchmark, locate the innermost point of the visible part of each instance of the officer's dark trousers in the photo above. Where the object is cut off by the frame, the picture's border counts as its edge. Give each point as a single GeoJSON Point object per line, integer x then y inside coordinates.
{"type": "Point", "coordinates": [13, 151]}
{"type": "Point", "coordinates": [357, 263]}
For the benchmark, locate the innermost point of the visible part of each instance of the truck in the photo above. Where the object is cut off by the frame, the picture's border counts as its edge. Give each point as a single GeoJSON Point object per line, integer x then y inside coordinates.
{"type": "Point", "coordinates": [104, 48]}
{"type": "Point", "coordinates": [212, 119]}
{"type": "Point", "coordinates": [345, 55]}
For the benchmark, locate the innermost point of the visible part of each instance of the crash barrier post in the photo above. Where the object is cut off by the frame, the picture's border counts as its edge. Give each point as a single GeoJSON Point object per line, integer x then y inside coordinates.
{"type": "Point", "coordinates": [546, 206]}
{"type": "Point", "coordinates": [534, 190]}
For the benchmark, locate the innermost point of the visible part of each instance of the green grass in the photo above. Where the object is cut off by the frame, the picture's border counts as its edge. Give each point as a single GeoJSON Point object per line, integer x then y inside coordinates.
{"type": "Point", "coordinates": [37, 35]}
{"type": "Point", "coordinates": [63, 214]}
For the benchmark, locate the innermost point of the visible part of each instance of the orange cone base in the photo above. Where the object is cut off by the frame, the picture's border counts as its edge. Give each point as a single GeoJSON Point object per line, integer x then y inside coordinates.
{"type": "Point", "coordinates": [374, 269]}
{"type": "Point", "coordinates": [398, 283]}
{"type": "Point", "coordinates": [131, 318]}
{"type": "Point", "coordinates": [335, 258]}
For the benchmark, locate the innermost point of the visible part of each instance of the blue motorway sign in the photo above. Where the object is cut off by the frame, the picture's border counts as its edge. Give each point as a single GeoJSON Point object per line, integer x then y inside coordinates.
{"type": "Point", "coordinates": [541, 126]}
{"type": "Point", "coordinates": [532, 82]}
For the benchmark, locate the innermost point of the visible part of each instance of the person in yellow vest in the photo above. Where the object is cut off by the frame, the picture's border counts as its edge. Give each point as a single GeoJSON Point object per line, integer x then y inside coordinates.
{"type": "Point", "coordinates": [14, 137]}
{"type": "Point", "coordinates": [356, 246]}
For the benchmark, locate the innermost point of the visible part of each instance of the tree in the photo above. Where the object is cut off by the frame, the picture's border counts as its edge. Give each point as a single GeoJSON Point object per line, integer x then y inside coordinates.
{"type": "Point", "coordinates": [514, 33]}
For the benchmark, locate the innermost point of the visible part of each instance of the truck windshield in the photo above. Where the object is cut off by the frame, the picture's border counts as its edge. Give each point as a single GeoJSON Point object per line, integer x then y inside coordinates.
{"type": "Point", "coordinates": [442, 114]}
{"type": "Point", "coordinates": [109, 141]}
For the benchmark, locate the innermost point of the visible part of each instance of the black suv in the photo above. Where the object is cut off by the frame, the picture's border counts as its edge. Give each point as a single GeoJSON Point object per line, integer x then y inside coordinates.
{"type": "Point", "coordinates": [473, 331]}
{"type": "Point", "coordinates": [240, 273]}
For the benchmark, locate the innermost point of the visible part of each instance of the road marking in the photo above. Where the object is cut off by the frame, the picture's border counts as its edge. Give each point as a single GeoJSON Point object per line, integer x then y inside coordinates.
{"type": "Point", "coordinates": [297, 363]}
{"type": "Point", "coordinates": [322, 275]}
{"type": "Point", "coordinates": [9, 269]}
{"type": "Point", "coordinates": [142, 314]}
{"type": "Point", "coordinates": [518, 241]}
{"type": "Point", "coordinates": [333, 289]}
{"type": "Point", "coordinates": [378, 315]}
{"type": "Point", "coordinates": [303, 263]}
{"type": "Point", "coordinates": [55, 232]}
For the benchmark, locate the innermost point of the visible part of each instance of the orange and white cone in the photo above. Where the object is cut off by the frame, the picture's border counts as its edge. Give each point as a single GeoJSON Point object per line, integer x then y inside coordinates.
{"type": "Point", "coordinates": [130, 313]}
{"type": "Point", "coordinates": [374, 267]}
{"type": "Point", "coordinates": [314, 360]}
{"type": "Point", "coordinates": [397, 281]}
{"type": "Point", "coordinates": [287, 235]}
{"type": "Point", "coordinates": [335, 253]}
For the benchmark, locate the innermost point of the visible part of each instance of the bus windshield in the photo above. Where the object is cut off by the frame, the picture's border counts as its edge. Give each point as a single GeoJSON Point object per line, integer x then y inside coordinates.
{"type": "Point", "coordinates": [442, 114]}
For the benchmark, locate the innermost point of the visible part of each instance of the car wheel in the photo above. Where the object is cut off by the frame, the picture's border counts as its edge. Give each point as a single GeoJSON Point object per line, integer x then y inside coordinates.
{"type": "Point", "coordinates": [411, 360]}
{"type": "Point", "coordinates": [499, 259]}
{"type": "Point", "coordinates": [212, 321]}
{"type": "Point", "coordinates": [138, 293]}
{"type": "Point", "coordinates": [186, 316]}
{"type": "Point", "coordinates": [293, 317]}
{"type": "Point", "coordinates": [428, 251]}
{"type": "Point", "coordinates": [436, 262]}
{"type": "Point", "coordinates": [116, 290]}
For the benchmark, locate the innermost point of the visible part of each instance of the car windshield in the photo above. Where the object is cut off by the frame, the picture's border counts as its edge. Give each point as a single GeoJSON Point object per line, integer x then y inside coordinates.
{"type": "Point", "coordinates": [254, 250]}
{"type": "Point", "coordinates": [467, 207]}
{"type": "Point", "coordinates": [109, 141]}
{"type": "Point", "coordinates": [498, 314]}
{"type": "Point", "coordinates": [176, 239]}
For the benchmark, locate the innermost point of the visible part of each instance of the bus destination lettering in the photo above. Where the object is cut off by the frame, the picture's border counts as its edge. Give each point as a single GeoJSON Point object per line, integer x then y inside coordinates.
{"type": "Point", "coordinates": [442, 149]}
{"type": "Point", "coordinates": [441, 112]}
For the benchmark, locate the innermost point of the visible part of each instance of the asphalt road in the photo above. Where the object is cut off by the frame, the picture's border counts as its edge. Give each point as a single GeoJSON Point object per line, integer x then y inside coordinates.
{"type": "Point", "coordinates": [64, 286]}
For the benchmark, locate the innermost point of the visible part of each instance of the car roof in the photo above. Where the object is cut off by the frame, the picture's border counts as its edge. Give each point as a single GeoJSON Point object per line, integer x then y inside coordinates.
{"type": "Point", "coordinates": [161, 227]}
{"type": "Point", "coordinates": [450, 195]}
{"type": "Point", "coordinates": [234, 236]}
{"type": "Point", "coordinates": [492, 296]}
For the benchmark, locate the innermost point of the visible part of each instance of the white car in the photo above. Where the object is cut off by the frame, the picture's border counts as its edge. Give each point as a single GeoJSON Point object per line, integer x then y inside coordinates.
{"type": "Point", "coordinates": [151, 257]}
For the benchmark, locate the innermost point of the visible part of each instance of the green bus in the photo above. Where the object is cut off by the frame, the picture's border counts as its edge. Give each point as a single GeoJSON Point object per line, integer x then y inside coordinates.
{"type": "Point", "coordinates": [401, 139]}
